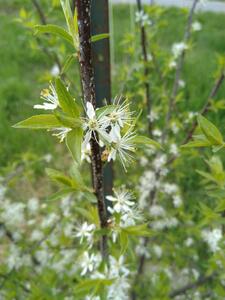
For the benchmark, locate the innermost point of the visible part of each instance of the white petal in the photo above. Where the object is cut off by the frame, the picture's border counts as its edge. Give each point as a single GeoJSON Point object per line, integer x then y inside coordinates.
{"type": "Point", "coordinates": [90, 110]}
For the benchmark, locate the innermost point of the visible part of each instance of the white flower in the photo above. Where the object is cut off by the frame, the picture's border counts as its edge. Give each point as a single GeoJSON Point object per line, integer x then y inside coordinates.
{"type": "Point", "coordinates": [3, 190]}
{"type": "Point", "coordinates": [159, 162]}
{"type": "Point", "coordinates": [122, 201]}
{"type": "Point", "coordinates": [121, 115]}
{"type": "Point", "coordinates": [174, 149]}
{"type": "Point", "coordinates": [33, 205]}
{"type": "Point", "coordinates": [177, 201]}
{"type": "Point", "coordinates": [130, 217]}
{"type": "Point", "coordinates": [89, 263]}
{"type": "Point", "coordinates": [13, 213]}
{"type": "Point", "coordinates": [172, 64]}
{"type": "Point", "coordinates": [86, 152]}
{"type": "Point", "coordinates": [170, 188]}
{"type": "Point", "coordinates": [212, 238]}
{"type": "Point", "coordinates": [188, 242]}
{"type": "Point", "coordinates": [48, 158]}
{"type": "Point", "coordinates": [94, 123]}
{"type": "Point", "coordinates": [157, 132]}
{"type": "Point", "coordinates": [117, 267]}
{"type": "Point", "coordinates": [119, 290]}
{"type": "Point", "coordinates": [157, 250]}
{"type": "Point", "coordinates": [37, 235]}
{"type": "Point", "coordinates": [141, 17]}
{"type": "Point", "coordinates": [55, 70]}
{"type": "Point", "coordinates": [181, 83]}
{"type": "Point", "coordinates": [85, 231]}
{"type": "Point", "coordinates": [153, 116]}
{"type": "Point", "coordinates": [121, 146]}
{"type": "Point", "coordinates": [175, 129]}
{"type": "Point", "coordinates": [61, 133]}
{"type": "Point", "coordinates": [178, 48]}
{"type": "Point", "coordinates": [157, 211]}
{"type": "Point", "coordinates": [196, 26]}
{"type": "Point", "coordinates": [51, 98]}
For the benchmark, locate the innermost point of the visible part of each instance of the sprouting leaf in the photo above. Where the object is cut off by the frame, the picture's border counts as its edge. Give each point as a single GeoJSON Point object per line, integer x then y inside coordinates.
{"type": "Point", "coordinates": [145, 141]}
{"type": "Point", "coordinates": [66, 101]}
{"type": "Point", "coordinates": [69, 60]}
{"type": "Point", "coordinates": [87, 285]}
{"type": "Point", "coordinates": [56, 30]}
{"type": "Point", "coordinates": [62, 193]}
{"type": "Point", "coordinates": [59, 177]}
{"type": "Point", "coordinates": [210, 131]}
{"type": "Point", "coordinates": [123, 241]}
{"type": "Point", "coordinates": [197, 143]}
{"type": "Point", "coordinates": [99, 37]}
{"type": "Point", "coordinates": [44, 121]}
{"type": "Point", "coordinates": [138, 230]}
{"type": "Point", "coordinates": [74, 141]}
{"type": "Point", "coordinates": [68, 121]}
{"type": "Point", "coordinates": [105, 110]}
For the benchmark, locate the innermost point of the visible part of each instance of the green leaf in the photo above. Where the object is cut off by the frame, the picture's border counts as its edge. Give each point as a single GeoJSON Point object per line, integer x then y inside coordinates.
{"type": "Point", "coordinates": [66, 101]}
{"type": "Point", "coordinates": [68, 121]}
{"type": "Point", "coordinates": [138, 230]}
{"type": "Point", "coordinates": [62, 193]}
{"type": "Point", "coordinates": [44, 121]}
{"type": "Point", "coordinates": [99, 37]}
{"type": "Point", "coordinates": [105, 110]}
{"type": "Point", "coordinates": [210, 131]}
{"type": "Point", "coordinates": [69, 60]}
{"type": "Point", "coordinates": [56, 30]}
{"type": "Point", "coordinates": [59, 177]}
{"type": "Point", "coordinates": [123, 241]}
{"type": "Point", "coordinates": [74, 140]}
{"type": "Point", "coordinates": [145, 141]}
{"type": "Point", "coordinates": [197, 143]}
{"type": "Point", "coordinates": [87, 285]}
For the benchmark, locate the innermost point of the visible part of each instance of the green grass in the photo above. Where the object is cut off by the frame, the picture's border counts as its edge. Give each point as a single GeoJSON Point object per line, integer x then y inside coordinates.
{"type": "Point", "coordinates": [22, 67]}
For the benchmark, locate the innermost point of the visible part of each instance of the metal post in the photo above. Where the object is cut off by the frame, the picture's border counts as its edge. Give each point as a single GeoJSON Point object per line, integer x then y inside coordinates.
{"type": "Point", "coordinates": [101, 63]}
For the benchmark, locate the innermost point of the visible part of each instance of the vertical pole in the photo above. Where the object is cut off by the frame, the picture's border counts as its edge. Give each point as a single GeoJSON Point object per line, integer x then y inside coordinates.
{"type": "Point", "coordinates": [101, 64]}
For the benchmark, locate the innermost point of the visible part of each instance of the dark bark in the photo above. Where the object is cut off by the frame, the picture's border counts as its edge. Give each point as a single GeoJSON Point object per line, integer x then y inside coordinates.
{"type": "Point", "coordinates": [87, 78]}
{"type": "Point", "coordinates": [146, 67]}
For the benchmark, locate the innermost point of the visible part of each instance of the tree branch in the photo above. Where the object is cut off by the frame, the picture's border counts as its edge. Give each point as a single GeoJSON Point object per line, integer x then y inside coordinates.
{"type": "Point", "coordinates": [180, 64]}
{"type": "Point", "coordinates": [191, 286]}
{"type": "Point", "coordinates": [146, 67]}
{"type": "Point", "coordinates": [87, 77]}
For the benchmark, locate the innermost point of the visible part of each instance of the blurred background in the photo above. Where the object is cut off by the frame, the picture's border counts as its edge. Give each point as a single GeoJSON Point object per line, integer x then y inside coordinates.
{"type": "Point", "coordinates": [28, 61]}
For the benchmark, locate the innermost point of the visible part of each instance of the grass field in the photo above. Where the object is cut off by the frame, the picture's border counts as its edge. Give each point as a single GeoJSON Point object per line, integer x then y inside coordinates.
{"type": "Point", "coordinates": [21, 70]}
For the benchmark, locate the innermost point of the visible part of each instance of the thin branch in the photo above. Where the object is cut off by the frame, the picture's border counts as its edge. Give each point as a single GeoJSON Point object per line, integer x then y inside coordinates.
{"type": "Point", "coordinates": [87, 76]}
{"type": "Point", "coordinates": [180, 64]}
{"type": "Point", "coordinates": [206, 107]}
{"type": "Point", "coordinates": [43, 20]}
{"type": "Point", "coordinates": [146, 67]}
{"type": "Point", "coordinates": [40, 12]}
{"type": "Point", "coordinates": [202, 280]}
{"type": "Point", "coordinates": [203, 111]}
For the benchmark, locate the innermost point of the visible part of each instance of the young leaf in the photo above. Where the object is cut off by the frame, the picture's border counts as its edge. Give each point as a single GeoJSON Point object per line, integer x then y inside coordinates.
{"type": "Point", "coordinates": [210, 131]}
{"type": "Point", "coordinates": [68, 121]}
{"type": "Point", "coordinates": [99, 37]}
{"type": "Point", "coordinates": [69, 60]}
{"type": "Point", "coordinates": [105, 110]}
{"type": "Point", "coordinates": [138, 230]}
{"type": "Point", "coordinates": [56, 30]}
{"type": "Point", "coordinates": [44, 121]}
{"type": "Point", "coordinates": [197, 143]}
{"type": "Point", "coordinates": [74, 141]}
{"type": "Point", "coordinates": [145, 141]}
{"type": "Point", "coordinates": [66, 101]}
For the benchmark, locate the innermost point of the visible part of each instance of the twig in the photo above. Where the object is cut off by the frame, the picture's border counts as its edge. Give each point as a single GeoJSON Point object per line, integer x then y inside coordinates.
{"type": "Point", "coordinates": [146, 67]}
{"type": "Point", "coordinates": [203, 111]}
{"type": "Point", "coordinates": [191, 286]}
{"type": "Point", "coordinates": [87, 76]}
{"type": "Point", "coordinates": [180, 64]}
{"type": "Point", "coordinates": [43, 20]}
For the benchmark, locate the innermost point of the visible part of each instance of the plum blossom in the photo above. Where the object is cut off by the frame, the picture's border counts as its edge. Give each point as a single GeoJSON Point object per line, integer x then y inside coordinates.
{"type": "Point", "coordinates": [85, 231]}
{"type": "Point", "coordinates": [178, 48]}
{"type": "Point", "coordinates": [51, 98]}
{"type": "Point", "coordinates": [121, 146]}
{"type": "Point", "coordinates": [196, 26]}
{"type": "Point", "coordinates": [61, 133]}
{"type": "Point", "coordinates": [122, 200]}
{"type": "Point", "coordinates": [142, 18]}
{"type": "Point", "coordinates": [89, 262]}
{"type": "Point", "coordinates": [212, 238]}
